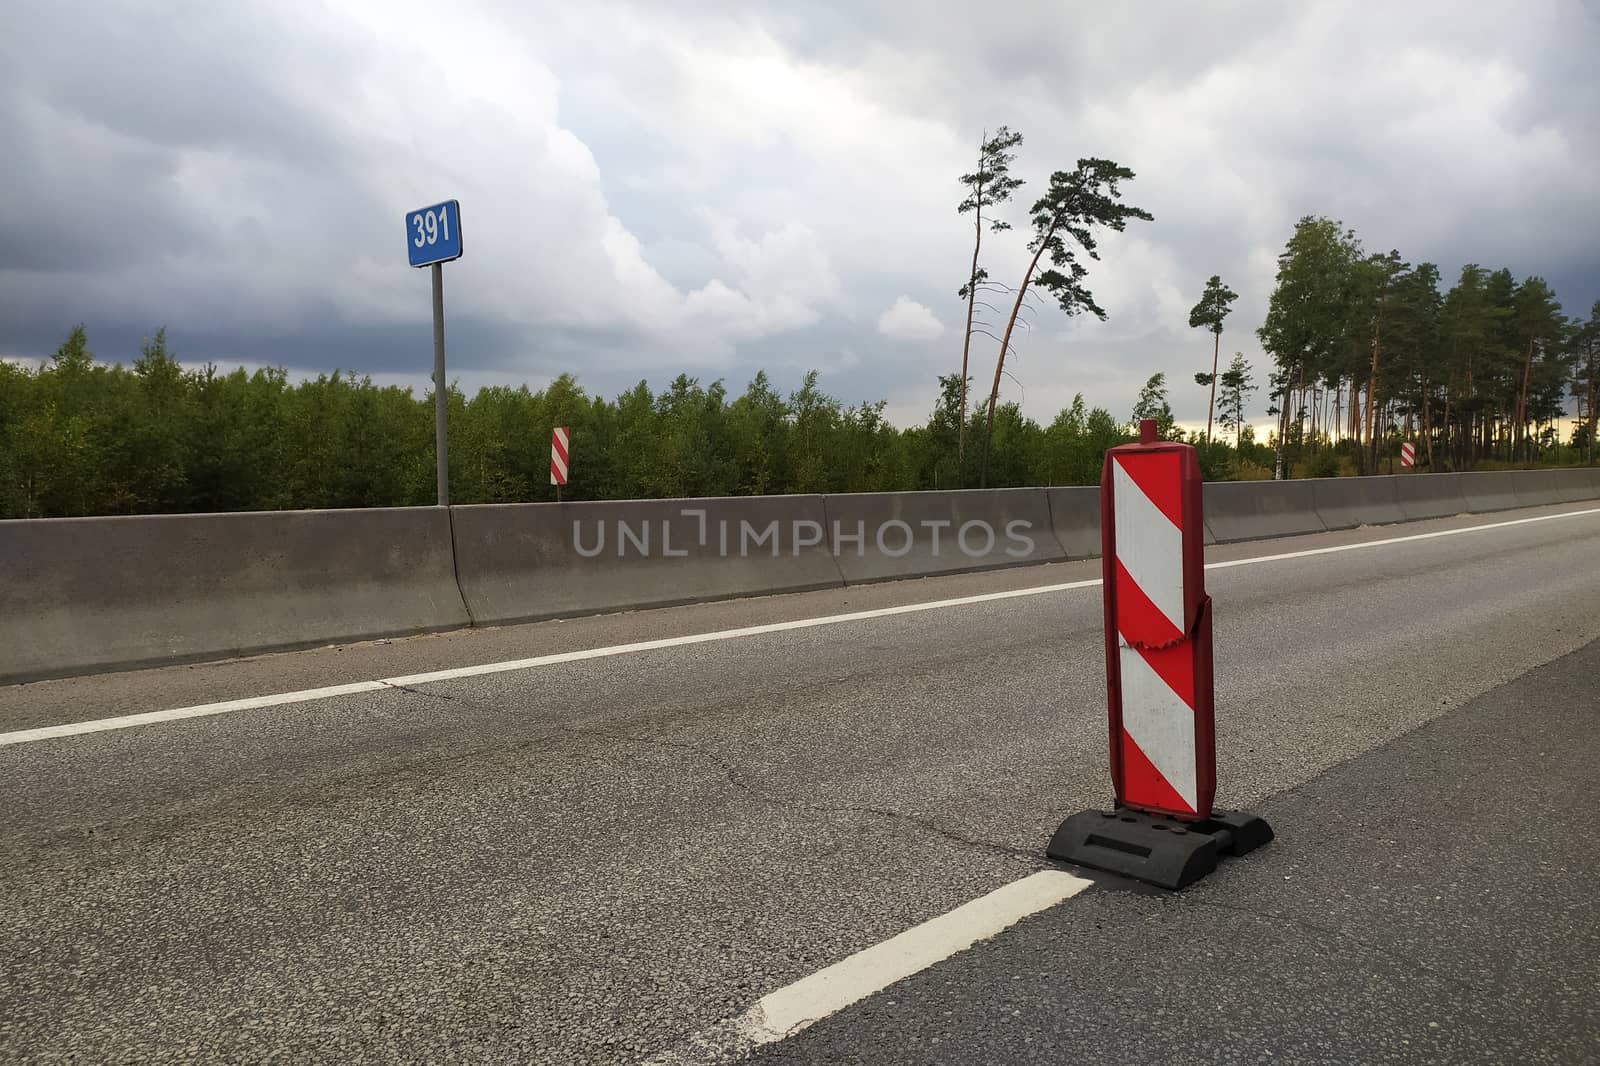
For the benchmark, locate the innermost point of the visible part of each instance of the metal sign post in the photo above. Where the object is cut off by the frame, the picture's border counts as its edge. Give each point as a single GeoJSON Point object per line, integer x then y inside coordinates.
{"type": "Point", "coordinates": [433, 238]}
{"type": "Point", "coordinates": [441, 399]}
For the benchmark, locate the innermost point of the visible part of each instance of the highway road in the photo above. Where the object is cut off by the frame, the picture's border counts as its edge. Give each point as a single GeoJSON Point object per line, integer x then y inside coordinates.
{"type": "Point", "coordinates": [641, 837]}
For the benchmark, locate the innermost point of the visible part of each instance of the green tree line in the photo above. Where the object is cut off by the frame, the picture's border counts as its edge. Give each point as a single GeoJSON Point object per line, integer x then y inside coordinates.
{"type": "Point", "coordinates": [1367, 351]}
{"type": "Point", "coordinates": [79, 436]}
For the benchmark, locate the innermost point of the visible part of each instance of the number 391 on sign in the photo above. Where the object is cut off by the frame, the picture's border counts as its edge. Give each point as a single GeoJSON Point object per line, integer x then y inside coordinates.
{"type": "Point", "coordinates": [433, 234]}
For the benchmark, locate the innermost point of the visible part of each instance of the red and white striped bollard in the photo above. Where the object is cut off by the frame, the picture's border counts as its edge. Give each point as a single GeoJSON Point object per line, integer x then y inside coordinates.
{"type": "Point", "coordinates": [558, 458]}
{"type": "Point", "coordinates": [1163, 829]}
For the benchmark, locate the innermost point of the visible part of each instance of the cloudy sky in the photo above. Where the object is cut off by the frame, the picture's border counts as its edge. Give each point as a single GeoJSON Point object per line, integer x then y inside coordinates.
{"type": "Point", "coordinates": [684, 185]}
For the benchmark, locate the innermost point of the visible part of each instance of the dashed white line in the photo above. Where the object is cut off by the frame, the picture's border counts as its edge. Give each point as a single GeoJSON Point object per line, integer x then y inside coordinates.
{"type": "Point", "coordinates": [26, 736]}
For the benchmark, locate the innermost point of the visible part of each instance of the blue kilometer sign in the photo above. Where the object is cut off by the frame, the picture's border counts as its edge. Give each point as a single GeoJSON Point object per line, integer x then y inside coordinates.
{"type": "Point", "coordinates": [433, 234]}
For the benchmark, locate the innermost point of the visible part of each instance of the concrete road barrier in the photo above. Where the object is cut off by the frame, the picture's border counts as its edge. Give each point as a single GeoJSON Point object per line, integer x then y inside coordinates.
{"type": "Point", "coordinates": [1075, 519]}
{"type": "Point", "coordinates": [1495, 490]}
{"type": "Point", "coordinates": [1348, 502]}
{"type": "Point", "coordinates": [1576, 485]}
{"type": "Point", "coordinates": [915, 534]}
{"type": "Point", "coordinates": [523, 562]}
{"type": "Point", "coordinates": [81, 595]}
{"type": "Point", "coordinates": [92, 594]}
{"type": "Point", "coordinates": [1431, 496]}
{"type": "Point", "coordinates": [1539, 488]}
{"type": "Point", "coordinates": [1254, 510]}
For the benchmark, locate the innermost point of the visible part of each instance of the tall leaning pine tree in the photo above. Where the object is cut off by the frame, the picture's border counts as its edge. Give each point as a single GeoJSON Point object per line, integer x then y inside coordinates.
{"type": "Point", "coordinates": [1077, 202]}
{"type": "Point", "coordinates": [1213, 307]}
{"type": "Point", "coordinates": [988, 186]}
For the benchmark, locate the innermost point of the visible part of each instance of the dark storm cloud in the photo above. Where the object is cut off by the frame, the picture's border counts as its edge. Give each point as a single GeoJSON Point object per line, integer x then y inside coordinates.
{"type": "Point", "coordinates": [99, 113]}
{"type": "Point", "coordinates": [652, 187]}
{"type": "Point", "coordinates": [80, 196]}
{"type": "Point", "coordinates": [204, 80]}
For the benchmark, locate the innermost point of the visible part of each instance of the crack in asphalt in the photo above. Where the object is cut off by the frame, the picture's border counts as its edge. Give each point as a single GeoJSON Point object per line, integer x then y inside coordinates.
{"type": "Point", "coordinates": [735, 777]}
{"type": "Point", "coordinates": [110, 834]}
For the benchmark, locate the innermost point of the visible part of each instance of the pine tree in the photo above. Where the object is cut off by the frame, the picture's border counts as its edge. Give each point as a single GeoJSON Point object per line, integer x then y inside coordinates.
{"type": "Point", "coordinates": [1077, 202]}
{"type": "Point", "coordinates": [987, 187]}
{"type": "Point", "coordinates": [1213, 307]}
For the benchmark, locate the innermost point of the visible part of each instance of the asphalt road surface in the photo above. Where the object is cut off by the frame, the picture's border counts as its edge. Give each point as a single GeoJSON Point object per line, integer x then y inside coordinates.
{"type": "Point", "coordinates": [613, 855]}
{"type": "Point", "coordinates": [1431, 901]}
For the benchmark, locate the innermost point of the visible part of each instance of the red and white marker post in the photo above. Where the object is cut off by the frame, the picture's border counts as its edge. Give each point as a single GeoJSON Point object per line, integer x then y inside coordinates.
{"type": "Point", "coordinates": [1158, 678]}
{"type": "Point", "coordinates": [558, 459]}
{"type": "Point", "coordinates": [1158, 631]}
{"type": "Point", "coordinates": [1408, 454]}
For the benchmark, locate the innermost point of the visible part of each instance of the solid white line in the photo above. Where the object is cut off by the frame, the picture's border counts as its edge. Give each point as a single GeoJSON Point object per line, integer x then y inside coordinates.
{"type": "Point", "coordinates": [25, 736]}
{"type": "Point", "coordinates": [1307, 553]}
{"type": "Point", "coordinates": [178, 714]}
{"type": "Point", "coordinates": [730, 634]}
{"type": "Point", "coordinates": [790, 1009]}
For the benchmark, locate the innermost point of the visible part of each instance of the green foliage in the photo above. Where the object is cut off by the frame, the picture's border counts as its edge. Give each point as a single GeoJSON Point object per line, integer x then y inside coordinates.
{"type": "Point", "coordinates": [1236, 386]}
{"type": "Point", "coordinates": [991, 184]}
{"type": "Point", "coordinates": [1324, 464]}
{"type": "Point", "coordinates": [1310, 310]}
{"type": "Point", "coordinates": [79, 437]}
{"type": "Point", "coordinates": [1214, 306]}
{"type": "Point", "coordinates": [1152, 403]}
{"type": "Point", "coordinates": [1583, 352]}
{"type": "Point", "coordinates": [1074, 445]}
{"type": "Point", "coordinates": [1365, 347]}
{"type": "Point", "coordinates": [1078, 202]}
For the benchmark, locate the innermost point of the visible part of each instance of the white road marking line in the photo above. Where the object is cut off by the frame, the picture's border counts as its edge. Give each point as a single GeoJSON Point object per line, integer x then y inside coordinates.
{"type": "Point", "coordinates": [730, 634]}
{"type": "Point", "coordinates": [1307, 553]}
{"type": "Point", "coordinates": [25, 736]}
{"type": "Point", "coordinates": [178, 714]}
{"type": "Point", "coordinates": [790, 1009]}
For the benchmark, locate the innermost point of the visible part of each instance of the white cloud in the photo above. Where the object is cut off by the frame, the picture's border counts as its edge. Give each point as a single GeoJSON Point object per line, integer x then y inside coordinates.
{"type": "Point", "coordinates": [908, 320]}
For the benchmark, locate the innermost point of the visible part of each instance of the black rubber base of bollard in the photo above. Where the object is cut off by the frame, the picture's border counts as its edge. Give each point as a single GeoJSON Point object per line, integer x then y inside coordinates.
{"type": "Point", "coordinates": [1153, 848]}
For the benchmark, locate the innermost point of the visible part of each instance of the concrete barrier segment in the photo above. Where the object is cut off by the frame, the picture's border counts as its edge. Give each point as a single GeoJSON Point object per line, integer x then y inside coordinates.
{"type": "Point", "coordinates": [1431, 496]}
{"type": "Point", "coordinates": [918, 534]}
{"type": "Point", "coordinates": [1075, 518]}
{"type": "Point", "coordinates": [1256, 510]}
{"type": "Point", "coordinates": [1348, 502]}
{"type": "Point", "coordinates": [1494, 490]}
{"type": "Point", "coordinates": [82, 595]}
